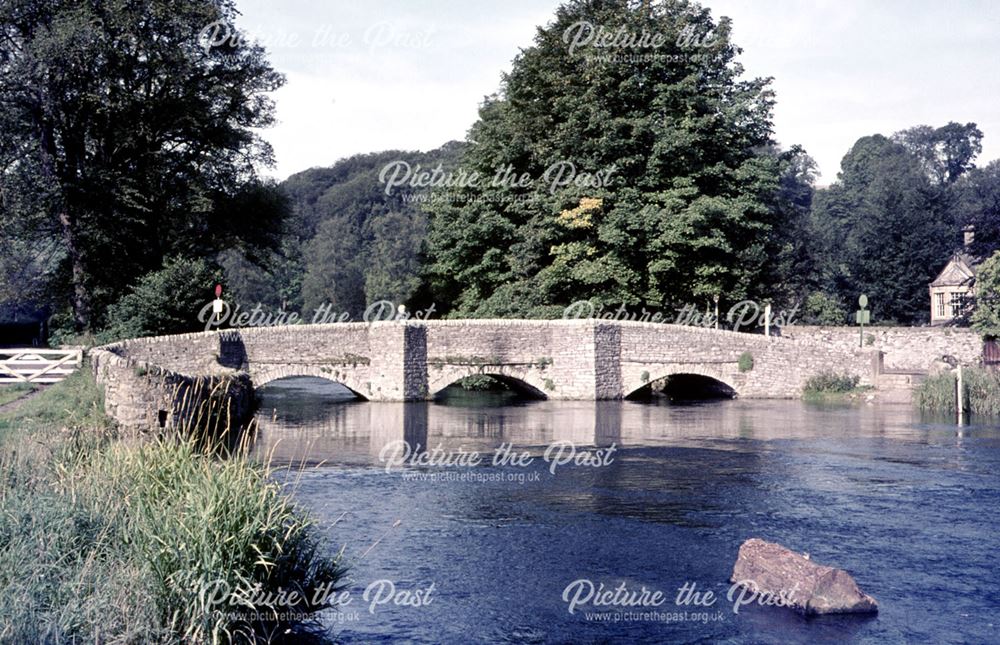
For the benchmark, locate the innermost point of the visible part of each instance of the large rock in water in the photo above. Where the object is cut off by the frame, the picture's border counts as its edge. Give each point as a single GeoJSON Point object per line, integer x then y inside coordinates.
{"type": "Point", "coordinates": [772, 570]}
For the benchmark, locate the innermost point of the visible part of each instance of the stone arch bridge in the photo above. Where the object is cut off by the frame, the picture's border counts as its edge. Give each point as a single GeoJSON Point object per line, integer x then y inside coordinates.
{"type": "Point", "coordinates": [146, 379]}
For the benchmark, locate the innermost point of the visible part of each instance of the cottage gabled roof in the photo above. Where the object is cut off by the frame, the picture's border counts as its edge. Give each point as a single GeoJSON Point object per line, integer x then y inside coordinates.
{"type": "Point", "coordinates": [960, 271]}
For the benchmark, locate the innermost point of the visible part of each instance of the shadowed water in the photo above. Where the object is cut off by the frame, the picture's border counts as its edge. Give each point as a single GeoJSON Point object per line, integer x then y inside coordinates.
{"type": "Point", "coordinates": [905, 504]}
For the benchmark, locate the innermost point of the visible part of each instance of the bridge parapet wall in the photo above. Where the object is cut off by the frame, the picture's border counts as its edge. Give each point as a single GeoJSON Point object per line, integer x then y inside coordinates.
{"type": "Point", "coordinates": [143, 396]}
{"type": "Point", "coordinates": [303, 344]}
{"type": "Point", "coordinates": [562, 359]}
{"type": "Point", "coordinates": [781, 366]}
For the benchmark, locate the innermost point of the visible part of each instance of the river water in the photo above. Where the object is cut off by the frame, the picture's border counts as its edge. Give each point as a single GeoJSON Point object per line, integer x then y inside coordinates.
{"type": "Point", "coordinates": [661, 498]}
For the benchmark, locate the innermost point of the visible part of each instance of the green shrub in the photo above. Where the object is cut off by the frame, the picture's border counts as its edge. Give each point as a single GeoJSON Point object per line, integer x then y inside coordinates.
{"type": "Point", "coordinates": [937, 393]}
{"type": "Point", "coordinates": [829, 382]}
{"type": "Point", "coordinates": [167, 301]}
{"type": "Point", "coordinates": [482, 383]}
{"type": "Point", "coordinates": [986, 317]}
{"type": "Point", "coordinates": [745, 362]}
{"type": "Point", "coordinates": [821, 308]}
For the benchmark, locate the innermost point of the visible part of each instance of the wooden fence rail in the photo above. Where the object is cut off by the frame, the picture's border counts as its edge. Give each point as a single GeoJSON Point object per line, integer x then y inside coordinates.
{"type": "Point", "coordinates": [38, 365]}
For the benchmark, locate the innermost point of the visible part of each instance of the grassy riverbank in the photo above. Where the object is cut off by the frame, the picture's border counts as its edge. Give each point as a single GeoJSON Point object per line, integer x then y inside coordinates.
{"type": "Point", "coordinates": [110, 540]}
{"type": "Point", "coordinates": [982, 392]}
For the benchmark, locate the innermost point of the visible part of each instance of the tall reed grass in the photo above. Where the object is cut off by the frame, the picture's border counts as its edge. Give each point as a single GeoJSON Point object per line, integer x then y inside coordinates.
{"type": "Point", "coordinates": [106, 539]}
{"type": "Point", "coordinates": [982, 392]}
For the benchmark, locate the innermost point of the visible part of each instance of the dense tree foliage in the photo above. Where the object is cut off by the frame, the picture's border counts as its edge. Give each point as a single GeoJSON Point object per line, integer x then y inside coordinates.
{"type": "Point", "coordinates": [978, 205]}
{"type": "Point", "coordinates": [986, 316]}
{"type": "Point", "coordinates": [347, 243]}
{"type": "Point", "coordinates": [675, 182]}
{"type": "Point", "coordinates": [887, 226]}
{"type": "Point", "coordinates": [821, 308]}
{"type": "Point", "coordinates": [124, 139]}
{"type": "Point", "coordinates": [944, 153]}
{"type": "Point", "coordinates": [167, 301]}
{"type": "Point", "coordinates": [624, 160]}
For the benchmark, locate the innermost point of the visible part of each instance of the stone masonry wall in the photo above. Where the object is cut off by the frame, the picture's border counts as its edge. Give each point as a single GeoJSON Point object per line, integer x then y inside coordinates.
{"type": "Point", "coordinates": [781, 366]}
{"type": "Point", "coordinates": [142, 396]}
{"type": "Point", "coordinates": [555, 357]}
{"type": "Point", "coordinates": [562, 359]}
{"type": "Point", "coordinates": [905, 348]}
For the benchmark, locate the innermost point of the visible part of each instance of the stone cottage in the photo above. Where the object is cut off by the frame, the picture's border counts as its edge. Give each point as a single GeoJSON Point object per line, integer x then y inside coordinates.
{"type": "Point", "coordinates": [953, 291]}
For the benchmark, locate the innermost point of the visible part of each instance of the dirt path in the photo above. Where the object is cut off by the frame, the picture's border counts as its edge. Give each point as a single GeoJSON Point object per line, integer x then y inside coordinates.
{"type": "Point", "coordinates": [10, 406]}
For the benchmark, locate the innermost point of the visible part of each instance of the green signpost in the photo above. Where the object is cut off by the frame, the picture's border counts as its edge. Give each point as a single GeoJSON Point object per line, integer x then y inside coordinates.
{"type": "Point", "coordinates": [862, 317]}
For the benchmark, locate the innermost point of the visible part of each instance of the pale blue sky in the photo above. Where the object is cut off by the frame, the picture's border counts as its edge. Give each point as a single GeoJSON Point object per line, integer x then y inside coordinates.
{"type": "Point", "coordinates": [409, 75]}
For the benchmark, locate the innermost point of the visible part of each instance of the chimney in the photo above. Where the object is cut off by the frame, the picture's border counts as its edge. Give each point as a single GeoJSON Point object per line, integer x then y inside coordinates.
{"type": "Point", "coordinates": [970, 235]}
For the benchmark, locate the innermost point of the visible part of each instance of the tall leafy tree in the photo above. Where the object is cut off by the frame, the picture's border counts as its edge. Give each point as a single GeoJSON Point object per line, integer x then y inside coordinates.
{"type": "Point", "coordinates": [397, 240]}
{"type": "Point", "coordinates": [675, 172]}
{"type": "Point", "coordinates": [128, 137]}
{"type": "Point", "coordinates": [790, 273]}
{"type": "Point", "coordinates": [978, 204]}
{"type": "Point", "coordinates": [945, 153]}
{"type": "Point", "coordinates": [883, 229]}
{"type": "Point", "coordinates": [986, 316]}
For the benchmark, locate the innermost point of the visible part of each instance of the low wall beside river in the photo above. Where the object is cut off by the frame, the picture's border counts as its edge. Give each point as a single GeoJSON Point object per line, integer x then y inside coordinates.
{"type": "Point", "coordinates": [904, 348]}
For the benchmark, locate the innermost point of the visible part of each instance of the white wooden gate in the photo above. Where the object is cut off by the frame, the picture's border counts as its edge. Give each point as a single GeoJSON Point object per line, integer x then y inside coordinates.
{"type": "Point", "coordinates": [38, 365]}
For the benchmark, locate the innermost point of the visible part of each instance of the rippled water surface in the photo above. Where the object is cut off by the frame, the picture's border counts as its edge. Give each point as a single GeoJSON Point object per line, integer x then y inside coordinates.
{"type": "Point", "coordinates": [907, 505]}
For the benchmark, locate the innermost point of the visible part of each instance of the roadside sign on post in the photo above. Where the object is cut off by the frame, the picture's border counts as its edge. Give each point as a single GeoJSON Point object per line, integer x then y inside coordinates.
{"type": "Point", "coordinates": [863, 317]}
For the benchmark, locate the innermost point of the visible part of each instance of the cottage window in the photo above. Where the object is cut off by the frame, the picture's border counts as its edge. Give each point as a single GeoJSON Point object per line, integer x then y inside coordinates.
{"type": "Point", "coordinates": [939, 305]}
{"type": "Point", "coordinates": [957, 304]}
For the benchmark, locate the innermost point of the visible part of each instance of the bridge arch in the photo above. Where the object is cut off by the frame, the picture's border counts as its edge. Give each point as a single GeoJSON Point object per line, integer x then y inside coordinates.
{"type": "Point", "coordinates": [687, 380]}
{"type": "Point", "coordinates": [269, 374]}
{"type": "Point", "coordinates": [688, 387]}
{"type": "Point", "coordinates": [523, 379]}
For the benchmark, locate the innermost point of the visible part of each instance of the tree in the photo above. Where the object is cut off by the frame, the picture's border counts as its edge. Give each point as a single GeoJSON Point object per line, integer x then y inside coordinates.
{"type": "Point", "coordinates": [823, 309]}
{"type": "Point", "coordinates": [884, 229]}
{"type": "Point", "coordinates": [986, 315]}
{"type": "Point", "coordinates": [128, 138]}
{"type": "Point", "coordinates": [978, 204]}
{"type": "Point", "coordinates": [674, 171]}
{"type": "Point", "coordinates": [790, 272]}
{"type": "Point", "coordinates": [273, 281]}
{"type": "Point", "coordinates": [167, 301]}
{"type": "Point", "coordinates": [945, 153]}
{"type": "Point", "coordinates": [394, 274]}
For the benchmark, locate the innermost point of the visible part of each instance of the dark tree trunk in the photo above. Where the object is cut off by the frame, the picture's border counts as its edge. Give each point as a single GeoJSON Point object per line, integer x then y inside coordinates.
{"type": "Point", "coordinates": [68, 225]}
{"type": "Point", "coordinates": [81, 299]}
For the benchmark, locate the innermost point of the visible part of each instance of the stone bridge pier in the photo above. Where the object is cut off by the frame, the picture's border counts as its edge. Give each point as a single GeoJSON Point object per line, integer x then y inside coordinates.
{"type": "Point", "coordinates": [411, 361]}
